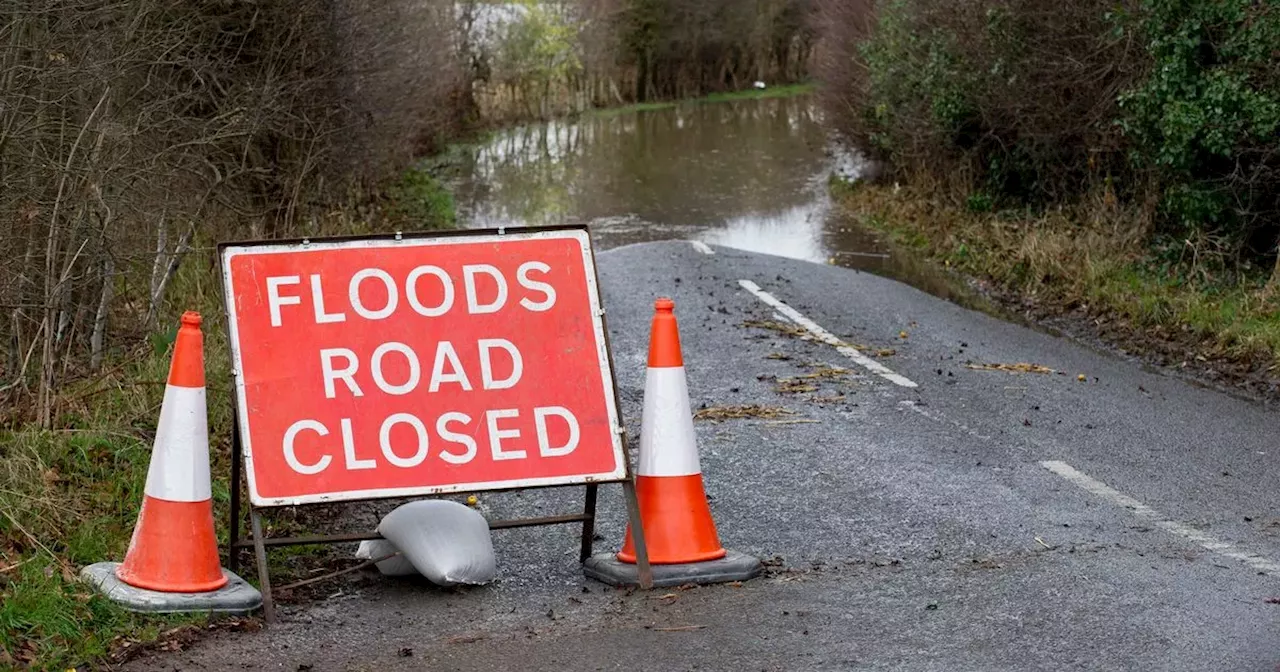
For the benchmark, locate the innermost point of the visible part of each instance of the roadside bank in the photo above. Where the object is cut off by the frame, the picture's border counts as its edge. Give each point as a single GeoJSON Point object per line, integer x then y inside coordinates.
{"type": "Point", "coordinates": [1089, 273]}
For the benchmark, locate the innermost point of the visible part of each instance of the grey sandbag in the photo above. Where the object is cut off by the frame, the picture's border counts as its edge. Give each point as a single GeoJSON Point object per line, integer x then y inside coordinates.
{"type": "Point", "coordinates": [445, 541]}
{"type": "Point", "coordinates": [378, 548]}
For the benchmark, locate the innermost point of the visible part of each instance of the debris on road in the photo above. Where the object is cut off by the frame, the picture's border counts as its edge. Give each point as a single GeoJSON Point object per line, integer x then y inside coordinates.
{"type": "Point", "coordinates": [794, 386]}
{"type": "Point", "coordinates": [824, 371]}
{"type": "Point", "coordinates": [1020, 367]}
{"type": "Point", "coordinates": [780, 327]}
{"type": "Point", "coordinates": [720, 413]}
{"type": "Point", "coordinates": [804, 334]}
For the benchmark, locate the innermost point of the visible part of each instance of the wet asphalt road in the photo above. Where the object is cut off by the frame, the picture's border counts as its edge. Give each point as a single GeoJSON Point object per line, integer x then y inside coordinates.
{"type": "Point", "coordinates": [982, 520]}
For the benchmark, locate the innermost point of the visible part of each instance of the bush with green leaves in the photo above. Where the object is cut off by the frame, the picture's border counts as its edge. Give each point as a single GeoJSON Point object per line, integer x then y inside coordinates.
{"type": "Point", "coordinates": [1014, 96]}
{"type": "Point", "coordinates": [1205, 121]}
{"type": "Point", "coordinates": [1169, 107]}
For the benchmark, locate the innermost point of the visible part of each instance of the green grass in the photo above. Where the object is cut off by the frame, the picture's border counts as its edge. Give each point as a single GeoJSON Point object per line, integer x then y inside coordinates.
{"type": "Point", "coordinates": [783, 91]}
{"type": "Point", "coordinates": [1083, 257]}
{"type": "Point", "coordinates": [69, 496]}
{"type": "Point", "coordinates": [421, 200]}
{"type": "Point", "coordinates": [1240, 318]}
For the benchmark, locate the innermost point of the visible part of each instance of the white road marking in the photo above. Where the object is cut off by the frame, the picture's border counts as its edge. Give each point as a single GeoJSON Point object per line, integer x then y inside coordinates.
{"type": "Point", "coordinates": [827, 337]}
{"type": "Point", "coordinates": [1206, 541]}
{"type": "Point", "coordinates": [702, 247]}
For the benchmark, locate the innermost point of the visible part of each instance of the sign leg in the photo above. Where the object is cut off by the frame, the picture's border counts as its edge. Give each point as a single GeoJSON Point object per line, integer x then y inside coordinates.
{"type": "Point", "coordinates": [588, 525]}
{"type": "Point", "coordinates": [233, 536]}
{"type": "Point", "coordinates": [643, 571]}
{"type": "Point", "coordinates": [264, 575]}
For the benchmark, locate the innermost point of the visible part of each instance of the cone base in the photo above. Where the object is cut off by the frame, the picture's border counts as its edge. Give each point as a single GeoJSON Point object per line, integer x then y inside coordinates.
{"type": "Point", "coordinates": [734, 566]}
{"type": "Point", "coordinates": [236, 597]}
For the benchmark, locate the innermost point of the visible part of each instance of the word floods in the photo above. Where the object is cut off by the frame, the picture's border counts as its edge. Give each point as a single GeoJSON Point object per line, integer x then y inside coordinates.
{"type": "Point", "coordinates": [403, 366]}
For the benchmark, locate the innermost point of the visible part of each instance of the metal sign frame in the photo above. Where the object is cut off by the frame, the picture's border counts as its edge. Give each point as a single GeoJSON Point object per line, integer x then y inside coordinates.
{"type": "Point", "coordinates": [242, 455]}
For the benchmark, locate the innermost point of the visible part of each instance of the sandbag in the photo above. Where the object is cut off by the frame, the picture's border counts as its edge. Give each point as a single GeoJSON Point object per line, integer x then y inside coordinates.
{"type": "Point", "coordinates": [377, 548]}
{"type": "Point", "coordinates": [445, 541]}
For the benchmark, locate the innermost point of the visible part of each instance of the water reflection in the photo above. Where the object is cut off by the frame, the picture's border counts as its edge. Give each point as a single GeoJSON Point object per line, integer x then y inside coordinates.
{"type": "Point", "coordinates": [795, 232]}
{"type": "Point", "coordinates": [749, 174]}
{"type": "Point", "coordinates": [757, 168]}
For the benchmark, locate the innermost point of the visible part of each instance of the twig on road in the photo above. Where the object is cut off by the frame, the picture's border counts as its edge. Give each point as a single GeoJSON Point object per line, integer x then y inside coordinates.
{"type": "Point", "coordinates": [337, 573]}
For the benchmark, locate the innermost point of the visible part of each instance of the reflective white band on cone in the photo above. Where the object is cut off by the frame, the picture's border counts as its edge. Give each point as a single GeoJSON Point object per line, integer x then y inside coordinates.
{"type": "Point", "coordinates": [667, 443]}
{"type": "Point", "coordinates": [179, 470]}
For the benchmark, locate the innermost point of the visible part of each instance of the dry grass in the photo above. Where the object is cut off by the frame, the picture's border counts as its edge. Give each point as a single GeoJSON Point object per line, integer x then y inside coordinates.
{"type": "Point", "coordinates": [794, 386]}
{"type": "Point", "coordinates": [783, 328]}
{"type": "Point", "coordinates": [824, 371]}
{"type": "Point", "coordinates": [1020, 367]}
{"type": "Point", "coordinates": [1096, 257]}
{"type": "Point", "coordinates": [721, 413]}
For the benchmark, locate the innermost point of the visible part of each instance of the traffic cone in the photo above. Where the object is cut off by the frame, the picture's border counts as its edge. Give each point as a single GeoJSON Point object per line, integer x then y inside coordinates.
{"type": "Point", "coordinates": [172, 561]}
{"type": "Point", "coordinates": [678, 527]}
{"type": "Point", "coordinates": [681, 541]}
{"type": "Point", "coordinates": [173, 549]}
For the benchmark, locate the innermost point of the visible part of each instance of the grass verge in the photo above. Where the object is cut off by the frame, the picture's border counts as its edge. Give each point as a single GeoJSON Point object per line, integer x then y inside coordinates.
{"type": "Point", "coordinates": [783, 91]}
{"type": "Point", "coordinates": [69, 496]}
{"type": "Point", "coordinates": [1093, 258]}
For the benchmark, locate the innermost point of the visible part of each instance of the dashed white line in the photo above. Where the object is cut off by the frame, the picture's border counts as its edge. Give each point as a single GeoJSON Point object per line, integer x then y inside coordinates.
{"type": "Point", "coordinates": [827, 337]}
{"type": "Point", "coordinates": [702, 247]}
{"type": "Point", "coordinates": [1206, 541]}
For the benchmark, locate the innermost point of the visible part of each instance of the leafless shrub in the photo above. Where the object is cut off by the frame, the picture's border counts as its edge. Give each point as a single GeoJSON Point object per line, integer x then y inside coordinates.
{"type": "Point", "coordinates": [131, 133]}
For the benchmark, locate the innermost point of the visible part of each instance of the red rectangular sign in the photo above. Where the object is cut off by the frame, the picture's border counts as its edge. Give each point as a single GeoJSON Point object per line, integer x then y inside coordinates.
{"type": "Point", "coordinates": [396, 367]}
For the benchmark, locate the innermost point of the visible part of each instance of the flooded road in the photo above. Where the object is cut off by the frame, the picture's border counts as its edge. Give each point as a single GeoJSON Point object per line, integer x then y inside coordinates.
{"type": "Point", "coordinates": [747, 174]}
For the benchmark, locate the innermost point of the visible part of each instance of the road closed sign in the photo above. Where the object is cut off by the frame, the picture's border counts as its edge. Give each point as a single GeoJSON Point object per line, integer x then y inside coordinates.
{"type": "Point", "coordinates": [403, 366]}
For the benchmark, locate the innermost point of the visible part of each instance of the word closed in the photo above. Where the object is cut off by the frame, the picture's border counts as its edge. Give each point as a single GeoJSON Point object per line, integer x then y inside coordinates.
{"type": "Point", "coordinates": [381, 368]}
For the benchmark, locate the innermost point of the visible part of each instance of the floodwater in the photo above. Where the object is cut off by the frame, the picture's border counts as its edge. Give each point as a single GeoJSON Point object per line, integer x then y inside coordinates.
{"type": "Point", "coordinates": [748, 174]}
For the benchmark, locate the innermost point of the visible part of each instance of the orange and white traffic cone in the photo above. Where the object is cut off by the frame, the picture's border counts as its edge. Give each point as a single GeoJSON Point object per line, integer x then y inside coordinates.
{"type": "Point", "coordinates": [680, 534]}
{"type": "Point", "coordinates": [678, 527]}
{"type": "Point", "coordinates": [174, 549]}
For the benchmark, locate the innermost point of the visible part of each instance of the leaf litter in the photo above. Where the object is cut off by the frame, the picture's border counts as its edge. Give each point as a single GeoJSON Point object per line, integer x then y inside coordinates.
{"type": "Point", "coordinates": [721, 413]}
{"type": "Point", "coordinates": [1020, 367]}
{"type": "Point", "coordinates": [804, 335]}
